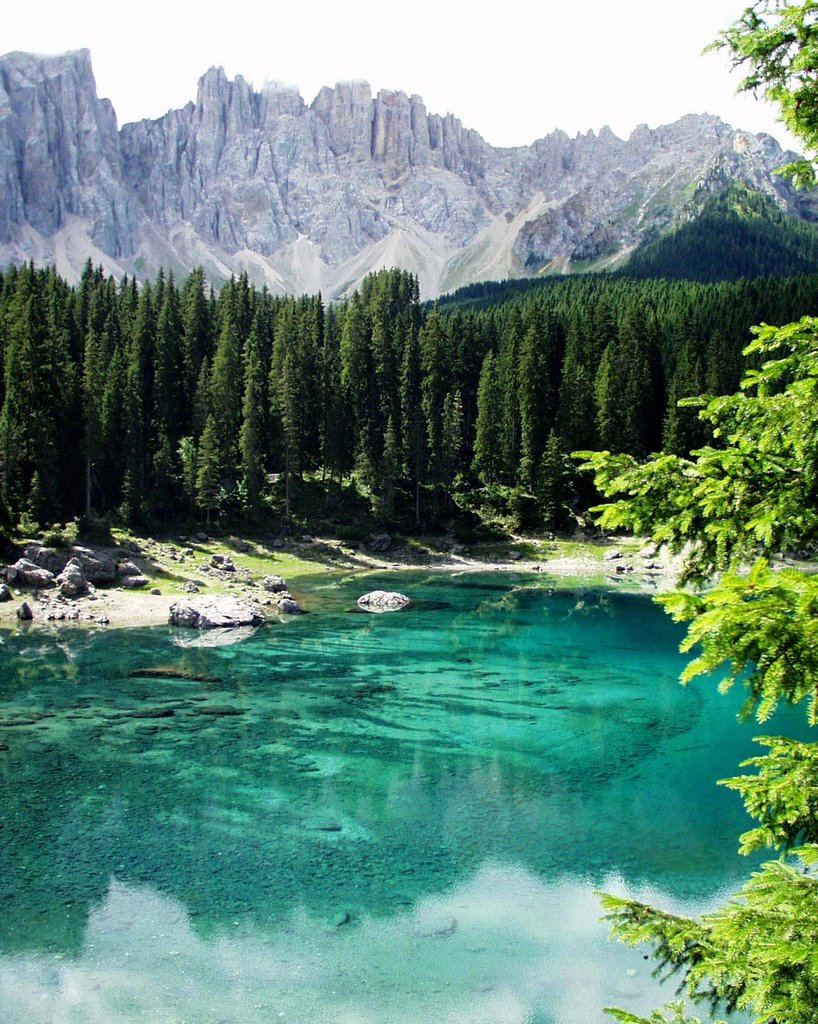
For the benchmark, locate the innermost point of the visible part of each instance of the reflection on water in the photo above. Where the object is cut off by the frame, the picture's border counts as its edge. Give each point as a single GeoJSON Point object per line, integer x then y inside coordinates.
{"type": "Point", "coordinates": [491, 950]}
{"type": "Point", "coordinates": [355, 818]}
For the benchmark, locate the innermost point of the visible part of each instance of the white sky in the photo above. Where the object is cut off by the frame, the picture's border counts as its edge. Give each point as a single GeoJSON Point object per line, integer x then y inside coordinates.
{"type": "Point", "coordinates": [512, 70]}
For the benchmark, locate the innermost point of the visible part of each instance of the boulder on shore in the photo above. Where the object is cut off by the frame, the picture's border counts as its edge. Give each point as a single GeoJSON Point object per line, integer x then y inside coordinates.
{"type": "Point", "coordinates": [383, 601]}
{"type": "Point", "coordinates": [71, 580]}
{"type": "Point", "coordinates": [275, 584]}
{"type": "Point", "coordinates": [26, 573]}
{"type": "Point", "coordinates": [214, 611]}
{"type": "Point", "coordinates": [97, 567]}
{"type": "Point", "coordinates": [134, 582]}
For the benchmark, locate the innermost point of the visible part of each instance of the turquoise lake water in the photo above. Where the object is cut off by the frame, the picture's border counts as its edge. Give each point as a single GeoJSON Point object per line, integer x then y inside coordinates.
{"type": "Point", "coordinates": [357, 819]}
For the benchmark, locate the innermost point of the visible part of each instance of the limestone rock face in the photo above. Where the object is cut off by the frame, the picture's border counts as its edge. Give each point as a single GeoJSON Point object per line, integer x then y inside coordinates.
{"type": "Point", "coordinates": [59, 153]}
{"type": "Point", "coordinates": [383, 601]}
{"type": "Point", "coordinates": [213, 611]}
{"type": "Point", "coordinates": [309, 197]}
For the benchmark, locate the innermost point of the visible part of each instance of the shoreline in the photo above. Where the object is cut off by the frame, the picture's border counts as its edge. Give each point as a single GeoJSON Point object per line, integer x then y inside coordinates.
{"type": "Point", "coordinates": [594, 564]}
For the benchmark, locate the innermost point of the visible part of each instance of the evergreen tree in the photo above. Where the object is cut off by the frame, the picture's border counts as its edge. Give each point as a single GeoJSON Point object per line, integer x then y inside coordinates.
{"type": "Point", "coordinates": [553, 486]}
{"type": "Point", "coordinates": [488, 458]}
{"type": "Point", "coordinates": [27, 434]}
{"type": "Point", "coordinates": [413, 442]}
{"type": "Point", "coordinates": [251, 440]}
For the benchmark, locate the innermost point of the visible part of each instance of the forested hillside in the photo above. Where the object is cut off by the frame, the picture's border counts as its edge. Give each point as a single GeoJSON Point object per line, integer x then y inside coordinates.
{"type": "Point", "coordinates": [168, 400]}
{"type": "Point", "coordinates": [739, 233]}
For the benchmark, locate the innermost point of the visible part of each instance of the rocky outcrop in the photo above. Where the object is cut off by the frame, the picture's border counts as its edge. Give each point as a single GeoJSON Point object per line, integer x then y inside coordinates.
{"type": "Point", "coordinates": [26, 573]}
{"type": "Point", "coordinates": [97, 566]}
{"type": "Point", "coordinates": [383, 601]}
{"type": "Point", "coordinates": [72, 581]}
{"type": "Point", "coordinates": [310, 197]}
{"type": "Point", "coordinates": [213, 611]}
{"type": "Point", "coordinates": [60, 153]}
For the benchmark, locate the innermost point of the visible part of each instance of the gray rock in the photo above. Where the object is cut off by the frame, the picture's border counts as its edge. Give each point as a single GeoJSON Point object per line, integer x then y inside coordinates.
{"type": "Point", "coordinates": [26, 573]}
{"type": "Point", "coordinates": [223, 563]}
{"type": "Point", "coordinates": [97, 566]}
{"type": "Point", "coordinates": [383, 601]}
{"type": "Point", "coordinates": [380, 542]}
{"type": "Point", "coordinates": [612, 556]}
{"type": "Point", "coordinates": [275, 584]}
{"type": "Point", "coordinates": [24, 612]}
{"type": "Point", "coordinates": [212, 611]}
{"type": "Point", "coordinates": [71, 580]}
{"type": "Point", "coordinates": [289, 606]}
{"type": "Point", "coordinates": [128, 569]}
{"type": "Point", "coordinates": [134, 582]}
{"type": "Point", "coordinates": [5, 593]}
{"type": "Point", "coordinates": [52, 559]}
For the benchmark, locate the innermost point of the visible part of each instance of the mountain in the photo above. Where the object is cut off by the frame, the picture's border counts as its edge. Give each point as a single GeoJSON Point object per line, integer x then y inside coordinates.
{"type": "Point", "coordinates": [314, 197]}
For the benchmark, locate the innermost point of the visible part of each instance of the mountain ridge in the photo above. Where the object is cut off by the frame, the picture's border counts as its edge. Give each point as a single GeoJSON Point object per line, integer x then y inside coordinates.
{"type": "Point", "coordinates": [312, 197]}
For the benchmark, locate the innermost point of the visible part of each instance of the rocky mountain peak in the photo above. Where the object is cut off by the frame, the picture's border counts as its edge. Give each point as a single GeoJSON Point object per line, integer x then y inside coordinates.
{"type": "Point", "coordinates": [307, 197]}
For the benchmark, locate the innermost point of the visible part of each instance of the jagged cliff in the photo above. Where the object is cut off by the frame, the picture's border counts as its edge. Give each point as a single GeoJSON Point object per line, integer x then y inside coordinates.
{"type": "Point", "coordinates": [314, 197]}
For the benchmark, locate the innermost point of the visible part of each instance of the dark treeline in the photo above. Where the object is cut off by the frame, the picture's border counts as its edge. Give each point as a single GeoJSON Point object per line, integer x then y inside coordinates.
{"type": "Point", "coordinates": [165, 399]}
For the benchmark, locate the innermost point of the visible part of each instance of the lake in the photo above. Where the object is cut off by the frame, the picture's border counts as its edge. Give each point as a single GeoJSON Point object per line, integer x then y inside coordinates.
{"type": "Point", "coordinates": [358, 819]}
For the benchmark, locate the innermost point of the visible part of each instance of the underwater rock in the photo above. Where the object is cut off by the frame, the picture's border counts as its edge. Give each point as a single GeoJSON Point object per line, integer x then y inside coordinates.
{"type": "Point", "coordinates": [150, 713]}
{"type": "Point", "coordinates": [289, 606]}
{"type": "Point", "coordinates": [214, 611]}
{"type": "Point", "coordinates": [432, 923]}
{"type": "Point", "coordinates": [221, 710]}
{"type": "Point", "coordinates": [383, 601]}
{"type": "Point", "coordinates": [172, 672]}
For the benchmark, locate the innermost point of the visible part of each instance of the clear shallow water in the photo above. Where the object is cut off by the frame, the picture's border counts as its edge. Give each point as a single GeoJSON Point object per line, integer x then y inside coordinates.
{"type": "Point", "coordinates": [357, 818]}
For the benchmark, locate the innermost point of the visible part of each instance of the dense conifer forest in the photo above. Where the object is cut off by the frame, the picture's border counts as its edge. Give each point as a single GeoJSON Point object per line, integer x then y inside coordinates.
{"type": "Point", "coordinates": [168, 400]}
